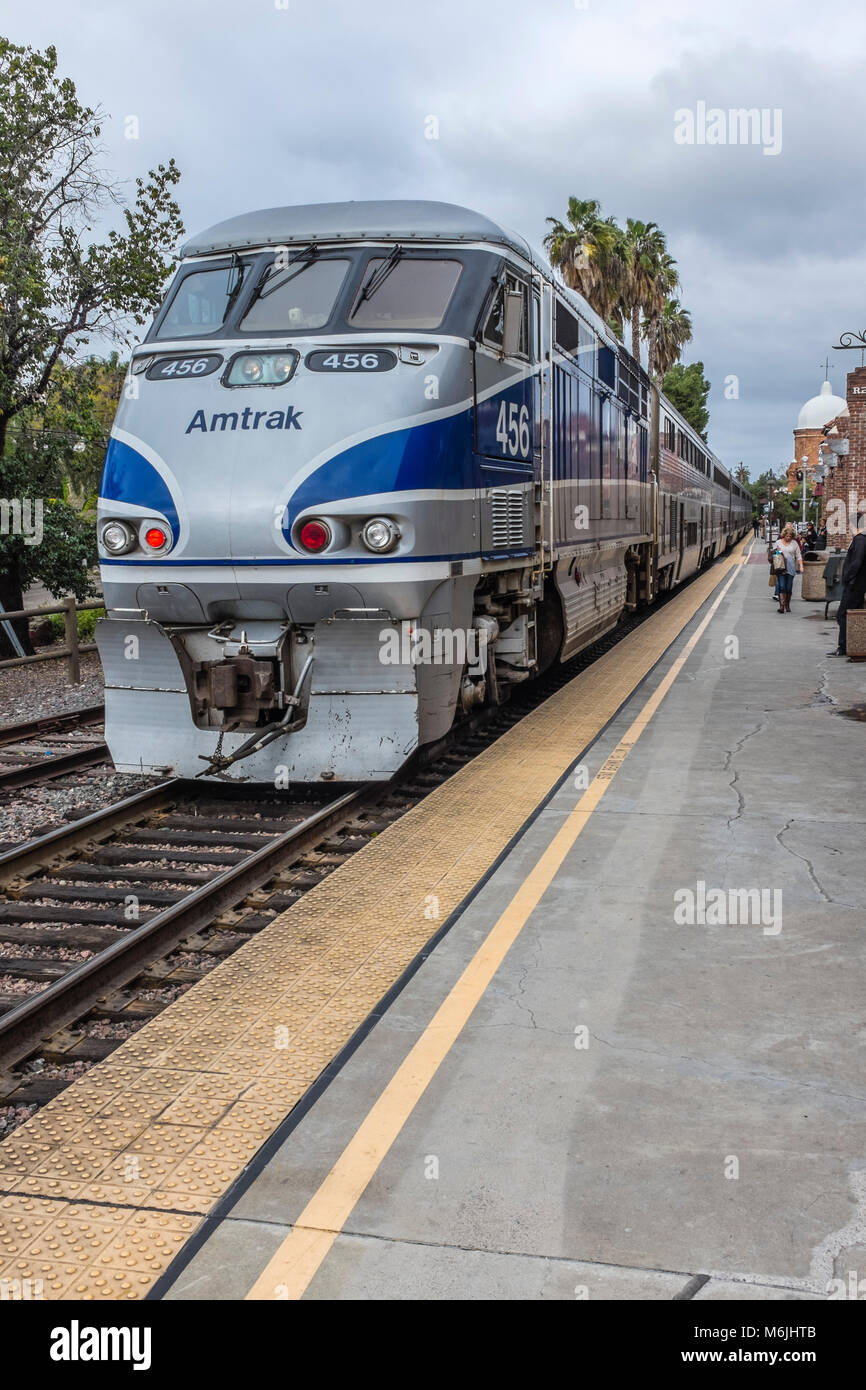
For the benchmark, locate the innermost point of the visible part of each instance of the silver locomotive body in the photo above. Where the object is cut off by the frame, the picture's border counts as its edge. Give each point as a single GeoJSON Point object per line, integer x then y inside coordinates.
{"type": "Point", "coordinates": [358, 481]}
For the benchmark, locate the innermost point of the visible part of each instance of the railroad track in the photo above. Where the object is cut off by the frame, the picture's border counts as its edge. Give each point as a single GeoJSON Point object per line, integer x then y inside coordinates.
{"type": "Point", "coordinates": [153, 890]}
{"type": "Point", "coordinates": [103, 922]}
{"type": "Point", "coordinates": [42, 749]}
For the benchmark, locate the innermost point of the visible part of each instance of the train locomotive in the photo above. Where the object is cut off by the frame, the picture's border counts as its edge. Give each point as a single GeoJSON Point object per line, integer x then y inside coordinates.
{"type": "Point", "coordinates": [373, 466]}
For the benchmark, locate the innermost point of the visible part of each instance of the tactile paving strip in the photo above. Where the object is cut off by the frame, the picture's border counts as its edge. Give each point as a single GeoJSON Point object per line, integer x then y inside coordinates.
{"type": "Point", "coordinates": [105, 1184]}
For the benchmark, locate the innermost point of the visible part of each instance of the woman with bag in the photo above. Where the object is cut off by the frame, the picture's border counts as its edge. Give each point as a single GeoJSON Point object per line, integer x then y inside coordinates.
{"type": "Point", "coordinates": [787, 561]}
{"type": "Point", "coordinates": [774, 578]}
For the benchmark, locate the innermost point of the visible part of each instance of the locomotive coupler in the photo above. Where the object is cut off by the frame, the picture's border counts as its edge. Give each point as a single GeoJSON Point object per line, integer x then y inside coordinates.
{"type": "Point", "coordinates": [240, 685]}
{"type": "Point", "coordinates": [262, 737]}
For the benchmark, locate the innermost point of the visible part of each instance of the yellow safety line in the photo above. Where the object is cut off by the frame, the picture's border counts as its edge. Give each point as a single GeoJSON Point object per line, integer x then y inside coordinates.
{"type": "Point", "coordinates": [288, 1273]}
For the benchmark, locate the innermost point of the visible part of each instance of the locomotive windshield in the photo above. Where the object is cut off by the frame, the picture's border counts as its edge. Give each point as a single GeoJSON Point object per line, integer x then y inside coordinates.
{"type": "Point", "coordinates": [201, 301]}
{"type": "Point", "coordinates": [414, 294]}
{"type": "Point", "coordinates": [317, 291]}
{"type": "Point", "coordinates": [301, 298]}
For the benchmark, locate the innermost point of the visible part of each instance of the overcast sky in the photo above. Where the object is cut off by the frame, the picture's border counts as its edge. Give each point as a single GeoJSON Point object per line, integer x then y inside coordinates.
{"type": "Point", "coordinates": [270, 102]}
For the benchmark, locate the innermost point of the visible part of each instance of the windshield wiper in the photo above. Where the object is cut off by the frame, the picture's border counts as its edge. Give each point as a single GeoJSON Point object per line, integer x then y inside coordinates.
{"type": "Point", "coordinates": [305, 256]}
{"type": "Point", "coordinates": [377, 278]}
{"type": "Point", "coordinates": [238, 270]}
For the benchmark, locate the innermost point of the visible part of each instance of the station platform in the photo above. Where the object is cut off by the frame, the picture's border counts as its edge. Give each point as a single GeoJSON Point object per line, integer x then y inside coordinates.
{"type": "Point", "coordinates": [520, 1046]}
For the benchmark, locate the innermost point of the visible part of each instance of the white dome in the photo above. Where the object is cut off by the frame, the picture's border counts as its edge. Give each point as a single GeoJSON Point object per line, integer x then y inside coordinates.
{"type": "Point", "coordinates": [821, 409]}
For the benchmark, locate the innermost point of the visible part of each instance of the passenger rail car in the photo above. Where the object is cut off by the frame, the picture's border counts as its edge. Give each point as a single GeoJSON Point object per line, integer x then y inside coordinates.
{"type": "Point", "coordinates": [372, 465]}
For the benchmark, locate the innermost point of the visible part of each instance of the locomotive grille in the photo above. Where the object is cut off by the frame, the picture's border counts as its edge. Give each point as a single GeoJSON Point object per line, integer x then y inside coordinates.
{"type": "Point", "coordinates": [507, 513]}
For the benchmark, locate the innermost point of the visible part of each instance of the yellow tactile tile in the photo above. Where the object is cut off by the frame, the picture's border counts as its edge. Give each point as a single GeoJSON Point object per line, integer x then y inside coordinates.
{"type": "Point", "coordinates": [137, 1152]}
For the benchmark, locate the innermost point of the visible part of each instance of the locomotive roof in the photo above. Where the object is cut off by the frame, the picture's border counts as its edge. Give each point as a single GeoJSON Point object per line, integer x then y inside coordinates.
{"type": "Point", "coordinates": [385, 220]}
{"type": "Point", "coordinates": [416, 219]}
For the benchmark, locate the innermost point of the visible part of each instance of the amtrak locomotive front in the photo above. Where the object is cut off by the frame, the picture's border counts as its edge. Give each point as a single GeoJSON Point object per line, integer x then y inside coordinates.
{"type": "Point", "coordinates": [373, 465]}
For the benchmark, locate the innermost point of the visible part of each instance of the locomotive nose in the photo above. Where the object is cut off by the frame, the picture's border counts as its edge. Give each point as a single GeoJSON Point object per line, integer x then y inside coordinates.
{"type": "Point", "coordinates": [293, 451]}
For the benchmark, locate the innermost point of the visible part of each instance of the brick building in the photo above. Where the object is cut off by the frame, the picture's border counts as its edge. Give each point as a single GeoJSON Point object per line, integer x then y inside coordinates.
{"type": "Point", "coordinates": [843, 455]}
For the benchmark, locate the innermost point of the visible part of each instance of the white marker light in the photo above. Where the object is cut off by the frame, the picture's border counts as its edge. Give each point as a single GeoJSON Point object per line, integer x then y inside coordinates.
{"type": "Point", "coordinates": [117, 537]}
{"type": "Point", "coordinates": [380, 534]}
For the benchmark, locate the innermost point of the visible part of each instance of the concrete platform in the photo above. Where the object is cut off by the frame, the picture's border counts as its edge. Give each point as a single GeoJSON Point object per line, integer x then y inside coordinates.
{"type": "Point", "coordinates": [635, 1100]}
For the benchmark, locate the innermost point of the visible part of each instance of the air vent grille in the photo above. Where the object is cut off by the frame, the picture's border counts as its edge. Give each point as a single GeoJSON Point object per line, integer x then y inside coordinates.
{"type": "Point", "coordinates": [507, 513]}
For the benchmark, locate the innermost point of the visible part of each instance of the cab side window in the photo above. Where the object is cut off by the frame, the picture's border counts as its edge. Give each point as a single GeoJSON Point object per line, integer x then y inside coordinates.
{"type": "Point", "coordinates": [493, 332]}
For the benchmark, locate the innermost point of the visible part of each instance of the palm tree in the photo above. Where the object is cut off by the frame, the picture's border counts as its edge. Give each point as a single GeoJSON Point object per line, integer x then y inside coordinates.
{"type": "Point", "coordinates": [741, 474]}
{"type": "Point", "coordinates": [624, 275]}
{"type": "Point", "coordinates": [666, 281]}
{"type": "Point", "coordinates": [668, 332]}
{"type": "Point", "coordinates": [588, 252]}
{"type": "Point", "coordinates": [650, 275]}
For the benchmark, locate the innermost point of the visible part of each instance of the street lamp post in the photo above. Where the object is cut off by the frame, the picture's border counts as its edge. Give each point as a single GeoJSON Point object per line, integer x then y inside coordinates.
{"type": "Point", "coordinates": [771, 479]}
{"type": "Point", "coordinates": [804, 460]}
{"type": "Point", "coordinates": [820, 477]}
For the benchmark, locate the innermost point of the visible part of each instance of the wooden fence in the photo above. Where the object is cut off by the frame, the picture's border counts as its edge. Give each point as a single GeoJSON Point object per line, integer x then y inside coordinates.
{"type": "Point", "coordinates": [72, 649]}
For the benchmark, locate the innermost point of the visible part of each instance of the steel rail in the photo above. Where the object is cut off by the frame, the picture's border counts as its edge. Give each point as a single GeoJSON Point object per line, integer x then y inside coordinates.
{"type": "Point", "coordinates": [45, 769]}
{"type": "Point", "coordinates": [44, 850]}
{"type": "Point", "coordinates": [24, 1027]}
{"type": "Point", "coordinates": [50, 723]}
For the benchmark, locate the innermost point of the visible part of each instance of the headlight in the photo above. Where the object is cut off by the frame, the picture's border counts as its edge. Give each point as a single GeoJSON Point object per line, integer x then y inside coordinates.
{"type": "Point", "coordinates": [260, 368]}
{"type": "Point", "coordinates": [117, 537]}
{"type": "Point", "coordinates": [380, 534]}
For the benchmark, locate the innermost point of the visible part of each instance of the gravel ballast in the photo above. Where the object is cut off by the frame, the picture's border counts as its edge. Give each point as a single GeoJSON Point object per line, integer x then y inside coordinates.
{"type": "Point", "coordinates": [43, 689]}
{"type": "Point", "coordinates": [38, 692]}
{"type": "Point", "coordinates": [31, 811]}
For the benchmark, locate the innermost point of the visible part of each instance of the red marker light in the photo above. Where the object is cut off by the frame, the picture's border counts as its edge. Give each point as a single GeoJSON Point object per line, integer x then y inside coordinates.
{"type": "Point", "coordinates": [155, 538]}
{"type": "Point", "coordinates": [315, 535]}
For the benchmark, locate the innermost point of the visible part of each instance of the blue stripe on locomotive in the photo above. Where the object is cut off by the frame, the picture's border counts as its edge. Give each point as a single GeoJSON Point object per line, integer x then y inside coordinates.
{"type": "Point", "coordinates": [438, 454]}
{"type": "Point", "coordinates": [128, 477]}
{"type": "Point", "coordinates": [435, 455]}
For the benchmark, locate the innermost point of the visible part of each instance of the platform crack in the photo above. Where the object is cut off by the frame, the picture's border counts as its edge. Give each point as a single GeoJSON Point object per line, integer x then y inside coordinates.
{"type": "Point", "coordinates": [520, 989]}
{"type": "Point", "coordinates": [822, 694]}
{"type": "Point", "coordinates": [816, 883]}
{"type": "Point", "coordinates": [734, 782]}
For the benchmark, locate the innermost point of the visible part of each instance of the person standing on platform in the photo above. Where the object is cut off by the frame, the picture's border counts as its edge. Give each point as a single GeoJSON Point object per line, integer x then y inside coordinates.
{"type": "Point", "coordinates": [774, 573]}
{"type": "Point", "coordinates": [853, 583]}
{"type": "Point", "coordinates": [821, 542]}
{"type": "Point", "coordinates": [811, 537]}
{"type": "Point", "coordinates": [789, 550]}
{"type": "Point", "coordinates": [756, 526]}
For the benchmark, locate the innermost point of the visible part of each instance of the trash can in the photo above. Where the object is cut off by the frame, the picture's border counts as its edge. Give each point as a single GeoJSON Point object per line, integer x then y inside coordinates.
{"type": "Point", "coordinates": [814, 584]}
